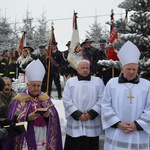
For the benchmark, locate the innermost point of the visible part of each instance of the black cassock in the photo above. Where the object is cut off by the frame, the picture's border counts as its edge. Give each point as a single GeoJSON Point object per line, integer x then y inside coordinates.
{"type": "Point", "coordinates": [81, 143]}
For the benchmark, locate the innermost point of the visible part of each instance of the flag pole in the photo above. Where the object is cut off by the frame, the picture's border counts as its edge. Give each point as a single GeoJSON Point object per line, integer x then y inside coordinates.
{"type": "Point", "coordinates": [113, 72]}
{"type": "Point", "coordinates": [48, 68]}
{"type": "Point", "coordinates": [49, 55]}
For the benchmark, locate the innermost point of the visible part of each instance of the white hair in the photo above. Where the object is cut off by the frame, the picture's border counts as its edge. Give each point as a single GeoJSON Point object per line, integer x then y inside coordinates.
{"type": "Point", "coordinates": [83, 61]}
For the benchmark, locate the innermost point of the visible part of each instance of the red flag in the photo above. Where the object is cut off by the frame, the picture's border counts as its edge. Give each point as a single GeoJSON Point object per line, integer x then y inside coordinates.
{"type": "Point", "coordinates": [111, 54]}
{"type": "Point", "coordinates": [22, 42]}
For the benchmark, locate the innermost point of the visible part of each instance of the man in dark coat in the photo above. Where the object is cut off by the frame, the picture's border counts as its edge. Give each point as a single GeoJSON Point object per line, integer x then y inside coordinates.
{"type": "Point", "coordinates": [42, 57]}
{"type": "Point", "coordinates": [55, 62]}
{"type": "Point", "coordinates": [5, 132]}
{"type": "Point", "coordinates": [6, 95]}
{"type": "Point", "coordinates": [66, 70]}
{"type": "Point", "coordinates": [103, 49]}
{"type": "Point", "coordinates": [92, 55]}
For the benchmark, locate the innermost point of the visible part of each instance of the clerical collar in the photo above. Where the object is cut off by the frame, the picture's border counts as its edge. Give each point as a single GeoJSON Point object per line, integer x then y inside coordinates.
{"type": "Point", "coordinates": [33, 95]}
{"type": "Point", "coordinates": [87, 78]}
{"type": "Point", "coordinates": [122, 79]}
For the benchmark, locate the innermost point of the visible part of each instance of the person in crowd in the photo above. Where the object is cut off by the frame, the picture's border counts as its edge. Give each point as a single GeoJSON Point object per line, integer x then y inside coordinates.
{"type": "Point", "coordinates": [9, 54]}
{"type": "Point", "coordinates": [42, 57]}
{"type": "Point", "coordinates": [22, 62]}
{"type": "Point", "coordinates": [92, 54]}
{"type": "Point", "coordinates": [66, 70]}
{"type": "Point", "coordinates": [102, 54]}
{"type": "Point", "coordinates": [11, 70]}
{"type": "Point", "coordinates": [125, 106]}
{"type": "Point", "coordinates": [4, 132]}
{"type": "Point", "coordinates": [6, 95]}
{"type": "Point", "coordinates": [43, 128]}
{"type": "Point", "coordinates": [82, 97]}
{"type": "Point", "coordinates": [146, 57]}
{"type": "Point", "coordinates": [83, 44]}
{"type": "Point", "coordinates": [3, 64]}
{"type": "Point", "coordinates": [108, 72]}
{"type": "Point", "coordinates": [5, 55]}
{"type": "Point", "coordinates": [15, 55]}
{"type": "Point", "coordinates": [55, 63]}
{"type": "Point", "coordinates": [31, 51]}
{"type": "Point", "coordinates": [103, 49]}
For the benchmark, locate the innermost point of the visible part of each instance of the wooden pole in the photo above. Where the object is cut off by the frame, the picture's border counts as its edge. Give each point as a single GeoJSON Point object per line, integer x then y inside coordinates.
{"type": "Point", "coordinates": [49, 51]}
{"type": "Point", "coordinates": [113, 72]}
{"type": "Point", "coordinates": [48, 70]}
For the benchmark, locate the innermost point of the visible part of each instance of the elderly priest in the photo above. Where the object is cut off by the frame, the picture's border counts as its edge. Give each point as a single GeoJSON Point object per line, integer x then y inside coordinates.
{"type": "Point", "coordinates": [126, 105]}
{"type": "Point", "coordinates": [44, 128]}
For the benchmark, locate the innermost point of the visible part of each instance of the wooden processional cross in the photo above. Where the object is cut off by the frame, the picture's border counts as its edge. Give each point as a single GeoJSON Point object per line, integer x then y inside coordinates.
{"type": "Point", "coordinates": [130, 96]}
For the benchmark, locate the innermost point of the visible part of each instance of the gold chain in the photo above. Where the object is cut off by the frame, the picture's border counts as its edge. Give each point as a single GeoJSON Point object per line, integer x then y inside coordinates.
{"type": "Point", "coordinates": [130, 91]}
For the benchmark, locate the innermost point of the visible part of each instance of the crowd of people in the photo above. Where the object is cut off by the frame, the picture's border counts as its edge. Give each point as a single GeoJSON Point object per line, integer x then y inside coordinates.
{"type": "Point", "coordinates": [13, 64]}
{"type": "Point", "coordinates": [118, 108]}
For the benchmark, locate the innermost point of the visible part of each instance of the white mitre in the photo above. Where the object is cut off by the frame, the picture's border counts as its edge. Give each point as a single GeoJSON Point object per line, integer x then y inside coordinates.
{"type": "Point", "coordinates": [35, 71]}
{"type": "Point", "coordinates": [129, 53]}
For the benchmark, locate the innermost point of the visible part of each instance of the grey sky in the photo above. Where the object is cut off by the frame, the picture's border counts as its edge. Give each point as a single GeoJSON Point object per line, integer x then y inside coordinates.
{"type": "Point", "coordinates": [61, 12]}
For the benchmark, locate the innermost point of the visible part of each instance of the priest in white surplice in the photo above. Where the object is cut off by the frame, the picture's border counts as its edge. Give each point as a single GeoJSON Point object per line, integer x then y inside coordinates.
{"type": "Point", "coordinates": [126, 105]}
{"type": "Point", "coordinates": [82, 97]}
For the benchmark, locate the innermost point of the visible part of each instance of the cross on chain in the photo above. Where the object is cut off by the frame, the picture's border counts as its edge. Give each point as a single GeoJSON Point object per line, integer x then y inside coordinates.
{"type": "Point", "coordinates": [34, 105]}
{"type": "Point", "coordinates": [130, 96]}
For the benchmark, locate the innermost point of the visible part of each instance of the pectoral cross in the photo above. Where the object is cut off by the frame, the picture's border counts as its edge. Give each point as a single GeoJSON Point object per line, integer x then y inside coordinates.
{"type": "Point", "coordinates": [34, 105]}
{"type": "Point", "coordinates": [130, 96]}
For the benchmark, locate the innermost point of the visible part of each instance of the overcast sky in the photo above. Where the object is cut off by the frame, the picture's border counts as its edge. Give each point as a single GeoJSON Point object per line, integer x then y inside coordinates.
{"type": "Point", "coordinates": [61, 12]}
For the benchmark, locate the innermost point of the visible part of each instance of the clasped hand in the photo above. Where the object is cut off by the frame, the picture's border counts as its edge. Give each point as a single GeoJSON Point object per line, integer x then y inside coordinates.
{"type": "Point", "coordinates": [84, 117]}
{"type": "Point", "coordinates": [127, 127]}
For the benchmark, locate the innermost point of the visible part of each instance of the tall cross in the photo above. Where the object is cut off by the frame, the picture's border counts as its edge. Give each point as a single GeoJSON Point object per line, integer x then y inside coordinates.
{"type": "Point", "coordinates": [130, 96]}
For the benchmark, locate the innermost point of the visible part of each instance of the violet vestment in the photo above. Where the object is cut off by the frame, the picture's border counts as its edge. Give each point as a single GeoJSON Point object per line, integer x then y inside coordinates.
{"type": "Point", "coordinates": [21, 104]}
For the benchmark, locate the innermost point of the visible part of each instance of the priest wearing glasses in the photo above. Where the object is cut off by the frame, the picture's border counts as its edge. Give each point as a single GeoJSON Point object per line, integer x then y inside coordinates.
{"type": "Point", "coordinates": [126, 105]}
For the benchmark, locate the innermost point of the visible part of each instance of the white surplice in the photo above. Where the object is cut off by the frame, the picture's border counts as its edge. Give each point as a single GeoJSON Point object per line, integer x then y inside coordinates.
{"type": "Point", "coordinates": [83, 96]}
{"type": "Point", "coordinates": [116, 107]}
{"type": "Point", "coordinates": [40, 137]}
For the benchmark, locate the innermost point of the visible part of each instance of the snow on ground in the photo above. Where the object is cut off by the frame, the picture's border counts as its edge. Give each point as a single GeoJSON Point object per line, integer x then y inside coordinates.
{"type": "Point", "coordinates": [59, 106]}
